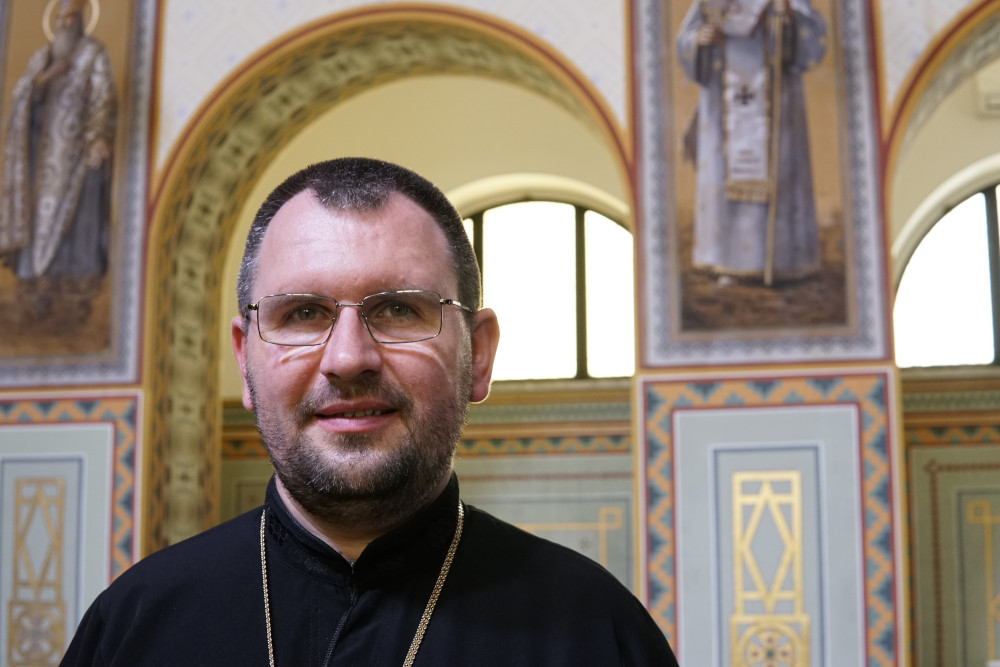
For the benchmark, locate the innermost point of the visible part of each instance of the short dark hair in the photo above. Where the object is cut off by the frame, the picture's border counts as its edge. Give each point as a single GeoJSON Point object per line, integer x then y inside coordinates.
{"type": "Point", "coordinates": [364, 184]}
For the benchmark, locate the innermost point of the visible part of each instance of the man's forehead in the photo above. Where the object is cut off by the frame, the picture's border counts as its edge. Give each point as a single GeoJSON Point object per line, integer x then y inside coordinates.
{"type": "Point", "coordinates": [305, 212]}
{"type": "Point", "coordinates": [398, 238]}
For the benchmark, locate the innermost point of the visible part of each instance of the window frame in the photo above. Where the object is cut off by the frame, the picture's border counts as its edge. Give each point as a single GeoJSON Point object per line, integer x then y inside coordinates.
{"type": "Point", "coordinates": [580, 212]}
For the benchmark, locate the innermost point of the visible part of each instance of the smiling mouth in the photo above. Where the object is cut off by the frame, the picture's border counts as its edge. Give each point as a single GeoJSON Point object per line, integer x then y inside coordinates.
{"type": "Point", "coordinates": [357, 413]}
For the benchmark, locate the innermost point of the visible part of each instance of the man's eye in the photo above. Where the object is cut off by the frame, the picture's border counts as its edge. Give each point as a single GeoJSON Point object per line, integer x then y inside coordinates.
{"type": "Point", "coordinates": [306, 313]}
{"type": "Point", "coordinates": [393, 311]}
{"type": "Point", "coordinates": [397, 310]}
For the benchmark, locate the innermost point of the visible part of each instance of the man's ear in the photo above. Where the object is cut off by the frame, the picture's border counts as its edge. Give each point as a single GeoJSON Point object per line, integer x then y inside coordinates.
{"type": "Point", "coordinates": [240, 351]}
{"type": "Point", "coordinates": [485, 337]}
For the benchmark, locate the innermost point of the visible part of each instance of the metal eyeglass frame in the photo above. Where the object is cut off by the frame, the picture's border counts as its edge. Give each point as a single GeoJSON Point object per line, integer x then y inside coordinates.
{"type": "Point", "coordinates": [340, 304]}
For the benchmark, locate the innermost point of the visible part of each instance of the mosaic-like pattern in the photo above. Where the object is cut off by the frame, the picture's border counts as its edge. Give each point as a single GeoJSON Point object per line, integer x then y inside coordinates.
{"type": "Point", "coordinates": [122, 413]}
{"type": "Point", "coordinates": [869, 392]}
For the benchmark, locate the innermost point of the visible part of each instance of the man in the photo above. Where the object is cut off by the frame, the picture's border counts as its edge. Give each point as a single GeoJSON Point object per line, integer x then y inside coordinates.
{"type": "Point", "coordinates": [363, 553]}
{"type": "Point", "coordinates": [755, 215]}
{"type": "Point", "coordinates": [54, 197]}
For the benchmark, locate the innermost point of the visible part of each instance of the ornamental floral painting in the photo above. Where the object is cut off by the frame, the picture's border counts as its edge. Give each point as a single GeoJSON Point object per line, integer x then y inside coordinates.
{"type": "Point", "coordinates": [65, 77]}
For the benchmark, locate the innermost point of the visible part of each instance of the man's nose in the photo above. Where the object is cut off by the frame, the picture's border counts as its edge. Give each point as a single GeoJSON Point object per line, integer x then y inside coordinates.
{"type": "Point", "coordinates": [350, 350]}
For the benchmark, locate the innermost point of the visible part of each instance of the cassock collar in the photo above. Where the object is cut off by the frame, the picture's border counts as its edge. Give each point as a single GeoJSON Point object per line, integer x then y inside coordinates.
{"type": "Point", "coordinates": [419, 543]}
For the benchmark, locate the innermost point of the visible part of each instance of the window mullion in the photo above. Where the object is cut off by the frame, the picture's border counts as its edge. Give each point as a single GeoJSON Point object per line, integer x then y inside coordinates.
{"type": "Point", "coordinates": [581, 294]}
{"type": "Point", "coordinates": [993, 240]}
{"type": "Point", "coordinates": [477, 240]}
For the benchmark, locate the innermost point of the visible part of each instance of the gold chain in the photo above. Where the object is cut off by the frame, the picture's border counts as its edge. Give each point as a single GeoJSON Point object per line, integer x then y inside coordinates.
{"type": "Point", "coordinates": [425, 619]}
{"type": "Point", "coordinates": [267, 602]}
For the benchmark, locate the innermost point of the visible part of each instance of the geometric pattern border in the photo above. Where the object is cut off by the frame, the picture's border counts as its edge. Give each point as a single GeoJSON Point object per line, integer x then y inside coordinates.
{"type": "Point", "coordinates": [606, 409]}
{"type": "Point", "coordinates": [601, 444]}
{"type": "Point", "coordinates": [870, 393]}
{"type": "Point", "coordinates": [950, 434]}
{"type": "Point", "coordinates": [582, 406]}
{"type": "Point", "coordinates": [252, 448]}
{"type": "Point", "coordinates": [914, 402]}
{"type": "Point", "coordinates": [122, 414]}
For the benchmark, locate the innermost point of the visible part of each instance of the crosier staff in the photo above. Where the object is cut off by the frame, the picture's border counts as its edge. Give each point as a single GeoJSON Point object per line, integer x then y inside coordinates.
{"type": "Point", "coordinates": [778, 19]}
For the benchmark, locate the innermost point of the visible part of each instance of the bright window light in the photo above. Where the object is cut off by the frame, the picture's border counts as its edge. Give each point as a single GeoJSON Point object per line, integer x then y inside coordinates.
{"type": "Point", "coordinates": [943, 310]}
{"type": "Point", "coordinates": [610, 298]}
{"type": "Point", "coordinates": [529, 259]}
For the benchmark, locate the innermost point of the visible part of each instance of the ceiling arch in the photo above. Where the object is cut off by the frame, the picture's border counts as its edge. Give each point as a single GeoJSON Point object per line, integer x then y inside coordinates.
{"type": "Point", "coordinates": [934, 135]}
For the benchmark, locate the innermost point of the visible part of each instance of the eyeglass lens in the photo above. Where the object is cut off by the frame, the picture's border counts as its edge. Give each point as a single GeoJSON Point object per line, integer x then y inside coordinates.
{"type": "Point", "coordinates": [391, 317]}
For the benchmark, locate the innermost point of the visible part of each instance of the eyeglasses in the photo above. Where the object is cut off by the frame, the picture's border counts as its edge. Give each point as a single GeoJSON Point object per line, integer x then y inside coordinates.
{"type": "Point", "coordinates": [406, 316]}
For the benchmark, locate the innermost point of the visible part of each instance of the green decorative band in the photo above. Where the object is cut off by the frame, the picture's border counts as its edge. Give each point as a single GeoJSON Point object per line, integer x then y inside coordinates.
{"type": "Point", "coordinates": [951, 401]}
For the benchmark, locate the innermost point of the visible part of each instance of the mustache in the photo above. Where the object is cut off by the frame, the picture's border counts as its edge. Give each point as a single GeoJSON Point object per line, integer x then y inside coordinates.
{"type": "Point", "coordinates": [364, 387]}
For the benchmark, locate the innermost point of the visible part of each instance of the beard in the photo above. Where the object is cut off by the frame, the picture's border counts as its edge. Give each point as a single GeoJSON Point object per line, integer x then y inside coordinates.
{"type": "Point", "coordinates": [64, 40]}
{"type": "Point", "coordinates": [380, 483]}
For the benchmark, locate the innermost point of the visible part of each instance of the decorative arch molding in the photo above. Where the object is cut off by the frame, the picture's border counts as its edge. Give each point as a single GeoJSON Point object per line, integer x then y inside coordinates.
{"type": "Point", "coordinates": [968, 44]}
{"type": "Point", "coordinates": [219, 158]}
{"type": "Point", "coordinates": [971, 41]}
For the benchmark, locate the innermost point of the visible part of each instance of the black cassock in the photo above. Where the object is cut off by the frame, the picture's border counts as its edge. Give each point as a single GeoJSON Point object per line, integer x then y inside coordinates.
{"type": "Point", "coordinates": [510, 599]}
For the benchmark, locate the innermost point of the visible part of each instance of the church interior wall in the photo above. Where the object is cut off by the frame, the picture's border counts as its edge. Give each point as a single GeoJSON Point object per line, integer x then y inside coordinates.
{"type": "Point", "coordinates": [607, 467]}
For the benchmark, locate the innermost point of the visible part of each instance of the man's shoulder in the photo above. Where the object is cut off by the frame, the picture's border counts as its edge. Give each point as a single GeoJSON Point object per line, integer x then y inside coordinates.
{"type": "Point", "coordinates": [510, 546]}
{"type": "Point", "coordinates": [556, 591]}
{"type": "Point", "coordinates": [216, 552]}
{"type": "Point", "coordinates": [196, 589]}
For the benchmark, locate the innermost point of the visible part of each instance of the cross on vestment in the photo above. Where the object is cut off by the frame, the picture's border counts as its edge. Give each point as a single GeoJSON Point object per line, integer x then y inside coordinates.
{"type": "Point", "coordinates": [745, 96]}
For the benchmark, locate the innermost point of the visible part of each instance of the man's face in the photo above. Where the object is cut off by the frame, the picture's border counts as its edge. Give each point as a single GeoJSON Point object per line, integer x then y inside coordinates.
{"type": "Point", "coordinates": [69, 20]}
{"type": "Point", "coordinates": [68, 30]}
{"type": "Point", "coordinates": [354, 419]}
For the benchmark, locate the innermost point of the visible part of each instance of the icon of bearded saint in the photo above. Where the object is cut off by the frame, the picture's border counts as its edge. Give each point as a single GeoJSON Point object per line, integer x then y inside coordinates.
{"type": "Point", "coordinates": [55, 193]}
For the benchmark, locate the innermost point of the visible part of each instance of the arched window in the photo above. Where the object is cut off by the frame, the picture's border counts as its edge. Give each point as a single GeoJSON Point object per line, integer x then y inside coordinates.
{"type": "Point", "coordinates": [948, 302]}
{"type": "Point", "coordinates": [560, 277]}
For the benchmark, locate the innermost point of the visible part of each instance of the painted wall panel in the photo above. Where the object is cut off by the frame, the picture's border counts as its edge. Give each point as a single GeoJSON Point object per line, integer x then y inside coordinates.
{"type": "Point", "coordinates": [955, 524]}
{"type": "Point", "coordinates": [795, 584]}
{"type": "Point", "coordinates": [55, 494]}
{"type": "Point", "coordinates": [779, 486]}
